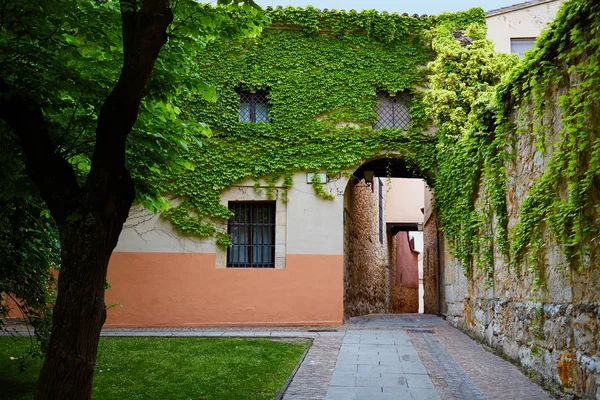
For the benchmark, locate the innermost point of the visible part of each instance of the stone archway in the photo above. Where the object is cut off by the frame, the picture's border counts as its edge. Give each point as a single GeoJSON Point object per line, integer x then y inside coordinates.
{"type": "Point", "coordinates": [371, 269]}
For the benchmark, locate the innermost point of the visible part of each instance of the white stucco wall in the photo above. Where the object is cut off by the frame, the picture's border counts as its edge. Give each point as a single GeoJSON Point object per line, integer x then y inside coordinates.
{"type": "Point", "coordinates": [405, 200]}
{"type": "Point", "coordinates": [306, 224]}
{"type": "Point", "coordinates": [147, 232]}
{"type": "Point", "coordinates": [315, 226]}
{"type": "Point", "coordinates": [523, 23]}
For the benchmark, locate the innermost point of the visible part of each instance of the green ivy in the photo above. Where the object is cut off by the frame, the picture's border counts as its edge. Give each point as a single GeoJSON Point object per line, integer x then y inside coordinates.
{"type": "Point", "coordinates": [562, 205]}
{"type": "Point", "coordinates": [480, 119]}
{"type": "Point", "coordinates": [470, 184]}
{"type": "Point", "coordinates": [322, 71]}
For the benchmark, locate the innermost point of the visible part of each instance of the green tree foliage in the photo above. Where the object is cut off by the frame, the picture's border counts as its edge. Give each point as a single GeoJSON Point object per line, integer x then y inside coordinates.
{"type": "Point", "coordinates": [462, 100]}
{"type": "Point", "coordinates": [29, 248]}
{"type": "Point", "coordinates": [66, 56]}
{"type": "Point", "coordinates": [86, 104]}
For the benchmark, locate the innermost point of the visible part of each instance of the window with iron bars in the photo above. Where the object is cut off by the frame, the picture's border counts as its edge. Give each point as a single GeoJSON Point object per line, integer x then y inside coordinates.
{"type": "Point", "coordinates": [252, 232]}
{"type": "Point", "coordinates": [254, 106]}
{"type": "Point", "coordinates": [392, 111]}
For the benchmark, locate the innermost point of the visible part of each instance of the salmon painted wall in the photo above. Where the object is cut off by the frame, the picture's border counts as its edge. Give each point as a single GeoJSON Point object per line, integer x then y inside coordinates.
{"type": "Point", "coordinates": [13, 308]}
{"type": "Point", "coordinates": [162, 278]}
{"type": "Point", "coordinates": [407, 260]}
{"type": "Point", "coordinates": [179, 289]}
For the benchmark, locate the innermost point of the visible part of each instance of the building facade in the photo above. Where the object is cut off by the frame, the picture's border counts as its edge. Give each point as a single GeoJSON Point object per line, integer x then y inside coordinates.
{"type": "Point", "coordinates": [515, 28]}
{"type": "Point", "coordinates": [312, 118]}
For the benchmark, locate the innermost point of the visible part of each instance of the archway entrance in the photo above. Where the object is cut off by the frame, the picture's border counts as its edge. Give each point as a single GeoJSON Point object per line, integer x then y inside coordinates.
{"type": "Point", "coordinates": [389, 241]}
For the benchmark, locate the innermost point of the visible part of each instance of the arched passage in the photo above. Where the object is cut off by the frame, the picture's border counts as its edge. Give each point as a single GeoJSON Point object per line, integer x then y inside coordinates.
{"type": "Point", "coordinates": [384, 270]}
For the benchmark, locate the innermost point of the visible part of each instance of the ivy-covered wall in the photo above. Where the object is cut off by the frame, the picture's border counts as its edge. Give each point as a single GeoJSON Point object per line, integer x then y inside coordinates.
{"type": "Point", "coordinates": [522, 273]}
{"type": "Point", "coordinates": [321, 71]}
{"type": "Point", "coordinates": [514, 158]}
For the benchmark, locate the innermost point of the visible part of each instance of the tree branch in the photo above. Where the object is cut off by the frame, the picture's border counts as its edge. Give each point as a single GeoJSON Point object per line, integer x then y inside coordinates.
{"type": "Point", "coordinates": [52, 174]}
{"type": "Point", "coordinates": [119, 112]}
{"type": "Point", "coordinates": [129, 10]}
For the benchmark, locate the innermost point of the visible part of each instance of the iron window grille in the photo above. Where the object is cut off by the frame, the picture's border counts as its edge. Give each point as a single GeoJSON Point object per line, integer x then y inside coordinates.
{"type": "Point", "coordinates": [254, 106]}
{"type": "Point", "coordinates": [392, 111]}
{"type": "Point", "coordinates": [252, 232]}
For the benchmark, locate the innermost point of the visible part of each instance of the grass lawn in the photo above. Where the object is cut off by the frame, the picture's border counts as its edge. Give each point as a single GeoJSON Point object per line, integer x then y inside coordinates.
{"type": "Point", "coordinates": [167, 368]}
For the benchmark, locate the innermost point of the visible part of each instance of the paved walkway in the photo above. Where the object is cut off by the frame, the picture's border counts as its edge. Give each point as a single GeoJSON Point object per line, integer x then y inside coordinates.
{"type": "Point", "coordinates": [421, 357]}
{"type": "Point", "coordinates": [409, 356]}
{"type": "Point", "coordinates": [380, 364]}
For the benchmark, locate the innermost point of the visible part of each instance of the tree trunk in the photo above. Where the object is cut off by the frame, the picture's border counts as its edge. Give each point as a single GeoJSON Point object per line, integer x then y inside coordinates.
{"type": "Point", "coordinates": [89, 217]}
{"type": "Point", "coordinates": [80, 312]}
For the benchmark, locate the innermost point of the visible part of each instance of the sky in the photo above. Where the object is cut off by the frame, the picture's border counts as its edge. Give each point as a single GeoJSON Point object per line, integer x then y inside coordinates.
{"type": "Point", "coordinates": [401, 6]}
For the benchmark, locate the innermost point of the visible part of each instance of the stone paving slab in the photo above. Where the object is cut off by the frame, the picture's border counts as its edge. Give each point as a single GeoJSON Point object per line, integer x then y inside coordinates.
{"type": "Point", "coordinates": [379, 365]}
{"type": "Point", "coordinates": [421, 358]}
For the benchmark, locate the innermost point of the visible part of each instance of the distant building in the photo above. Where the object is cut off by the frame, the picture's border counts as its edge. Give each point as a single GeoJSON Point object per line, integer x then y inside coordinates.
{"type": "Point", "coordinates": [514, 28]}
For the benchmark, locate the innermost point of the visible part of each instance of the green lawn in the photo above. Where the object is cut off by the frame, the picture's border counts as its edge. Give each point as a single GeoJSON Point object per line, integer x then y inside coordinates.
{"type": "Point", "coordinates": [167, 368]}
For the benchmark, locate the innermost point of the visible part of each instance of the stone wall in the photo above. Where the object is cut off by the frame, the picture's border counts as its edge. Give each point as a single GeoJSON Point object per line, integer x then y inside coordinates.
{"type": "Point", "coordinates": [430, 258]}
{"type": "Point", "coordinates": [366, 259]}
{"type": "Point", "coordinates": [553, 331]}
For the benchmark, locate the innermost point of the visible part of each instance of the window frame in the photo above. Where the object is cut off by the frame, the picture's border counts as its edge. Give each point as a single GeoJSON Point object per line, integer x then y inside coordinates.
{"type": "Point", "coordinates": [521, 40]}
{"type": "Point", "coordinates": [400, 103]}
{"type": "Point", "coordinates": [249, 226]}
{"type": "Point", "coordinates": [254, 97]}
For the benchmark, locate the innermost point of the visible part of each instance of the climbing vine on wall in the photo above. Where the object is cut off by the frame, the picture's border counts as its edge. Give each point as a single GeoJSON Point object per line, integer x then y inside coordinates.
{"type": "Point", "coordinates": [462, 100]}
{"type": "Point", "coordinates": [563, 202]}
{"type": "Point", "coordinates": [480, 122]}
{"type": "Point", "coordinates": [321, 71]}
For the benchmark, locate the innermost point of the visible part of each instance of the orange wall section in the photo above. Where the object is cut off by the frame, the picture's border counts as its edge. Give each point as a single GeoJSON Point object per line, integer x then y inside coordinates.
{"type": "Point", "coordinates": [186, 289]}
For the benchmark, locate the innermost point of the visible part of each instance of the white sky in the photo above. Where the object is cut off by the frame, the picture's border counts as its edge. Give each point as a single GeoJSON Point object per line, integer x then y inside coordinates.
{"type": "Point", "coordinates": [401, 6]}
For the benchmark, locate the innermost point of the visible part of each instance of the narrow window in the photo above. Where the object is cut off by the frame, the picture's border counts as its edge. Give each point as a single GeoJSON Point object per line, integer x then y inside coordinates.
{"type": "Point", "coordinates": [392, 111]}
{"type": "Point", "coordinates": [521, 45]}
{"type": "Point", "coordinates": [252, 232]}
{"type": "Point", "coordinates": [254, 106]}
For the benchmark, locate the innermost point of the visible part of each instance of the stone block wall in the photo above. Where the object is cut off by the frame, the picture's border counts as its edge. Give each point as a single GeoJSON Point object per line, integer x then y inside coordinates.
{"type": "Point", "coordinates": [553, 331]}
{"type": "Point", "coordinates": [366, 258]}
{"type": "Point", "coordinates": [430, 258]}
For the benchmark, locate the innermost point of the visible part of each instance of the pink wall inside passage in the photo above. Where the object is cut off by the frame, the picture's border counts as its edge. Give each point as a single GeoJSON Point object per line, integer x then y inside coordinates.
{"type": "Point", "coordinates": [407, 261]}
{"type": "Point", "coordinates": [185, 289]}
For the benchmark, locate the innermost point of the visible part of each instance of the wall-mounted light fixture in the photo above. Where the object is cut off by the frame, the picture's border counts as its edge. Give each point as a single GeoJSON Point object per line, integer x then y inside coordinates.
{"type": "Point", "coordinates": [321, 175]}
{"type": "Point", "coordinates": [420, 226]}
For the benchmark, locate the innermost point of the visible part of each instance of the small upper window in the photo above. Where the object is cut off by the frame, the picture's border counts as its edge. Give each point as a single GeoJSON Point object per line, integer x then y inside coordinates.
{"type": "Point", "coordinates": [392, 111]}
{"type": "Point", "coordinates": [254, 106]}
{"type": "Point", "coordinates": [520, 46]}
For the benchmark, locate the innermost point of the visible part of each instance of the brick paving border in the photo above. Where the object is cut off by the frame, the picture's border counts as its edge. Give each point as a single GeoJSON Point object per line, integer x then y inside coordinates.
{"type": "Point", "coordinates": [460, 384]}
{"type": "Point", "coordinates": [435, 375]}
{"type": "Point", "coordinates": [496, 378]}
{"type": "Point", "coordinates": [312, 378]}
